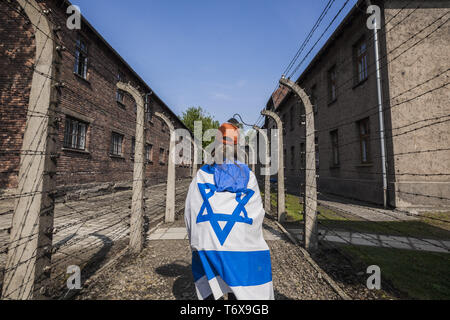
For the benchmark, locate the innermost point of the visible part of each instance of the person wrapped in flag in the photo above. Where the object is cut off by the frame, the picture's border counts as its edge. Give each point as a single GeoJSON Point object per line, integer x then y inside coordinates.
{"type": "Point", "coordinates": [224, 216]}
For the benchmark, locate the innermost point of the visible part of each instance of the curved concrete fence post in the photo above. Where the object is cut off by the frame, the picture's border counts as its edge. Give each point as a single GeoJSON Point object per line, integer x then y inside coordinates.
{"type": "Point", "coordinates": [251, 158]}
{"type": "Point", "coordinates": [310, 193]}
{"type": "Point", "coordinates": [281, 203]}
{"type": "Point", "coordinates": [137, 202]}
{"type": "Point", "coordinates": [170, 197]}
{"type": "Point", "coordinates": [28, 265]}
{"type": "Point", "coordinates": [266, 170]}
{"type": "Point", "coordinates": [194, 161]}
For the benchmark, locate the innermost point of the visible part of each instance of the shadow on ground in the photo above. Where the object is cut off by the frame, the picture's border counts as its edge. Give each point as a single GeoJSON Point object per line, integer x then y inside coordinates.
{"type": "Point", "coordinates": [89, 267]}
{"type": "Point", "coordinates": [183, 287]}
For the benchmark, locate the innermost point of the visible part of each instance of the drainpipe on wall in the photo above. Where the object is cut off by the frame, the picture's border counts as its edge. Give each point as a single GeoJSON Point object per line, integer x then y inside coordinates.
{"type": "Point", "coordinates": [380, 107]}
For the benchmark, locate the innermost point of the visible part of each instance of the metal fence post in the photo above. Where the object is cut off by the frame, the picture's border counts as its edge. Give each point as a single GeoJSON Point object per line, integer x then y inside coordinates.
{"type": "Point", "coordinates": [137, 202]}
{"type": "Point", "coordinates": [281, 203]}
{"type": "Point", "coordinates": [170, 197]}
{"type": "Point", "coordinates": [28, 266]}
{"type": "Point", "coordinates": [310, 192]}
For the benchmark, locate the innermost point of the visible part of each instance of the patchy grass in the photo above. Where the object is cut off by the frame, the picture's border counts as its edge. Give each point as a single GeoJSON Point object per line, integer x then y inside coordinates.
{"type": "Point", "coordinates": [429, 225]}
{"type": "Point", "coordinates": [418, 274]}
{"type": "Point", "coordinates": [437, 219]}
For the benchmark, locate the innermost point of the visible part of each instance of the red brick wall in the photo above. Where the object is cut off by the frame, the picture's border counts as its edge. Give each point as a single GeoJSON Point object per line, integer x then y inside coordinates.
{"type": "Point", "coordinates": [17, 52]}
{"type": "Point", "coordinates": [94, 99]}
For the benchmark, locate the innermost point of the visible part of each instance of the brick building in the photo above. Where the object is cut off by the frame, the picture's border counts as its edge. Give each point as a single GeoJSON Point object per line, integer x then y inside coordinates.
{"type": "Point", "coordinates": [341, 81]}
{"type": "Point", "coordinates": [96, 121]}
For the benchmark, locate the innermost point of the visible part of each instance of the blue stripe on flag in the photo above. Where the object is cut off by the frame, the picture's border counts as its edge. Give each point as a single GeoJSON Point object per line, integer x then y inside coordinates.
{"type": "Point", "coordinates": [236, 268]}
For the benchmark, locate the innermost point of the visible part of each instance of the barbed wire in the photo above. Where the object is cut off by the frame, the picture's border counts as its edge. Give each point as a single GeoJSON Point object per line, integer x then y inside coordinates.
{"type": "Point", "coordinates": [105, 218]}
{"type": "Point", "coordinates": [381, 58]}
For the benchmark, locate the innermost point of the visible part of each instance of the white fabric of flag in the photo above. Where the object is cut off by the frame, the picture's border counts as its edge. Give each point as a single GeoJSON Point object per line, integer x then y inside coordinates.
{"type": "Point", "coordinates": [224, 216]}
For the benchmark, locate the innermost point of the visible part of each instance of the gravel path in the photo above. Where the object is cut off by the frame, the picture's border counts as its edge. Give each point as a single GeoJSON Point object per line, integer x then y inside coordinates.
{"type": "Point", "coordinates": [163, 271]}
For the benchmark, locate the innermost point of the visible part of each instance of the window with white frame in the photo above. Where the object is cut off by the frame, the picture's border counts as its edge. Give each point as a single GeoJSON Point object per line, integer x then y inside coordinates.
{"type": "Point", "coordinates": [361, 61]}
{"type": "Point", "coordinates": [75, 134]}
{"type": "Point", "coordinates": [364, 139]}
{"type": "Point", "coordinates": [332, 90]}
{"type": "Point", "coordinates": [116, 144]}
{"type": "Point", "coordinates": [334, 148]}
{"type": "Point", "coordinates": [149, 152]}
{"type": "Point", "coordinates": [81, 58]}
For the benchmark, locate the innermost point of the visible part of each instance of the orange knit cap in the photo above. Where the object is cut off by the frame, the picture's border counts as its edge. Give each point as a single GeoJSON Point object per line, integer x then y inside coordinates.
{"type": "Point", "coordinates": [230, 133]}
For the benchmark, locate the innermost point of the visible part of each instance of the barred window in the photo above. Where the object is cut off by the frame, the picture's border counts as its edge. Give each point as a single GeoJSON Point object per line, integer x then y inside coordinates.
{"type": "Point", "coordinates": [120, 96]}
{"type": "Point", "coordinates": [161, 155]}
{"type": "Point", "coordinates": [364, 138]}
{"type": "Point", "coordinates": [120, 77]}
{"type": "Point", "coordinates": [148, 112]}
{"type": "Point", "coordinates": [116, 144]}
{"type": "Point", "coordinates": [332, 90]}
{"type": "Point", "coordinates": [81, 59]}
{"type": "Point", "coordinates": [75, 134]}
{"type": "Point", "coordinates": [334, 137]}
{"type": "Point", "coordinates": [361, 61]}
{"type": "Point", "coordinates": [149, 152]}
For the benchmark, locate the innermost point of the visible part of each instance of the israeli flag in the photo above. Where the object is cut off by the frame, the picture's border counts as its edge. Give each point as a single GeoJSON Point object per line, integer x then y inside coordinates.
{"type": "Point", "coordinates": [224, 216]}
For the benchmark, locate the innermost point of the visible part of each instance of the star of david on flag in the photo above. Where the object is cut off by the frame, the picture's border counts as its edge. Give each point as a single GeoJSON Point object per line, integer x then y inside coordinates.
{"type": "Point", "coordinates": [242, 199]}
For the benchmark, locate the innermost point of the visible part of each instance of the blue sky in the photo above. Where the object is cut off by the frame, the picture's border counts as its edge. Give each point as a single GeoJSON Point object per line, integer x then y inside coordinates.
{"type": "Point", "coordinates": [225, 56]}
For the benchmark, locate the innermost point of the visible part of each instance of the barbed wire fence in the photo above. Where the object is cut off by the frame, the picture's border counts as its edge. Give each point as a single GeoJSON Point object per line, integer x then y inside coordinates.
{"type": "Point", "coordinates": [389, 231]}
{"type": "Point", "coordinates": [61, 225]}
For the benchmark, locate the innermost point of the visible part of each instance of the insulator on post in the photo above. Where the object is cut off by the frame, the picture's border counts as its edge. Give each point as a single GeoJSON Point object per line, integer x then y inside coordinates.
{"type": "Point", "coordinates": [60, 48]}
{"type": "Point", "coordinates": [43, 291]}
{"type": "Point", "coordinates": [47, 270]}
{"type": "Point", "coordinates": [54, 123]}
{"type": "Point", "coordinates": [47, 251]}
{"type": "Point", "coordinates": [59, 84]}
{"type": "Point", "coordinates": [48, 232]}
{"type": "Point", "coordinates": [54, 158]}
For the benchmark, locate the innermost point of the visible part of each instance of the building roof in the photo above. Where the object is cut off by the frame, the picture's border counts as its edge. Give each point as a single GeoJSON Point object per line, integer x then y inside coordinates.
{"type": "Point", "coordinates": [278, 96]}
{"type": "Point", "coordinates": [148, 88]}
{"type": "Point", "coordinates": [281, 95]}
